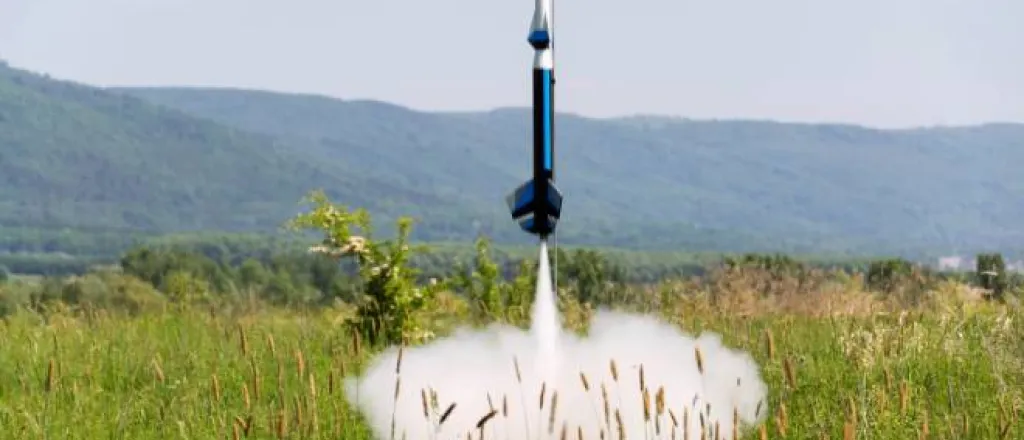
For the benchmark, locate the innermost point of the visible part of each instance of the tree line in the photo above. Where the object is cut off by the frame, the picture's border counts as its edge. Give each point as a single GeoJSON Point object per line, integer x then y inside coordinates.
{"type": "Point", "coordinates": [388, 280]}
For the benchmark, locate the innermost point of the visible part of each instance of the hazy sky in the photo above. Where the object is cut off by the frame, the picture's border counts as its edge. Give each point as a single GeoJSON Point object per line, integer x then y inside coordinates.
{"type": "Point", "coordinates": [876, 62]}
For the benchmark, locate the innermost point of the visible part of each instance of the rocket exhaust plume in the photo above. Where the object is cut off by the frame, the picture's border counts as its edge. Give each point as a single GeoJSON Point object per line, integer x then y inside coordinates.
{"type": "Point", "coordinates": [631, 373]}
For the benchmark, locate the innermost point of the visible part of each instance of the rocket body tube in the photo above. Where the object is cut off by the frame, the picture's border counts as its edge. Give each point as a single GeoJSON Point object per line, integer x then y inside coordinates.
{"type": "Point", "coordinates": [537, 204]}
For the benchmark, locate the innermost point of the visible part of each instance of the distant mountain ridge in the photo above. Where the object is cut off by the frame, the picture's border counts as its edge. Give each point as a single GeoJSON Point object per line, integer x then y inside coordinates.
{"type": "Point", "coordinates": [812, 185]}
{"type": "Point", "coordinates": [173, 159]}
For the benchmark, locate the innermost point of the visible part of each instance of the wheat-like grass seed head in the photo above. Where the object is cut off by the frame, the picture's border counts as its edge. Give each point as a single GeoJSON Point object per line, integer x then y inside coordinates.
{"type": "Point", "coordinates": [447, 413]}
{"type": "Point", "coordinates": [553, 410]}
{"type": "Point", "coordinates": [483, 420]}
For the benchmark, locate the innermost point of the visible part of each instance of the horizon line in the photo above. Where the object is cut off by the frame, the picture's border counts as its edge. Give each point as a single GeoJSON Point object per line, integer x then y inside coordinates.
{"type": "Point", "coordinates": [499, 108]}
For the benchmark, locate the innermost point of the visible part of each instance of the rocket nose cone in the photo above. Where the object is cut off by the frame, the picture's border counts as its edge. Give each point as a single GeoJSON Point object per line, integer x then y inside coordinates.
{"type": "Point", "coordinates": [541, 17]}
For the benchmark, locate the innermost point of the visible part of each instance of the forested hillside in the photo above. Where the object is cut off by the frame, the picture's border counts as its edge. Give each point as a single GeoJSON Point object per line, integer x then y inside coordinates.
{"type": "Point", "coordinates": [81, 157]}
{"type": "Point", "coordinates": [118, 165]}
{"type": "Point", "coordinates": [655, 180]}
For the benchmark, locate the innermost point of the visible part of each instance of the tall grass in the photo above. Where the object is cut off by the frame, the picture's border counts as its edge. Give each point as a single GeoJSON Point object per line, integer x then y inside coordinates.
{"type": "Point", "coordinates": [840, 364]}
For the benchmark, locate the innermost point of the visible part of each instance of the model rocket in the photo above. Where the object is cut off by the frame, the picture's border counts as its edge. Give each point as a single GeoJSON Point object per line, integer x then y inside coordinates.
{"type": "Point", "coordinates": [537, 205]}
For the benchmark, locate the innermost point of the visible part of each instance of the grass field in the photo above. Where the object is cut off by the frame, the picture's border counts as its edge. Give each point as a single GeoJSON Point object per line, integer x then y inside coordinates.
{"type": "Point", "coordinates": [842, 364]}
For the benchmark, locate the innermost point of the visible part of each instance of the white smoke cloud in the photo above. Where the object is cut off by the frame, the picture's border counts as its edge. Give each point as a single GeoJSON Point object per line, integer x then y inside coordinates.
{"type": "Point", "coordinates": [469, 366]}
{"type": "Point", "coordinates": [476, 370]}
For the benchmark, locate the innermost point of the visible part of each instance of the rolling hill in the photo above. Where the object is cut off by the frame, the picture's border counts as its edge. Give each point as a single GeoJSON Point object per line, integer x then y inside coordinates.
{"type": "Point", "coordinates": [156, 160]}
{"type": "Point", "coordinates": [85, 158]}
{"type": "Point", "coordinates": [747, 183]}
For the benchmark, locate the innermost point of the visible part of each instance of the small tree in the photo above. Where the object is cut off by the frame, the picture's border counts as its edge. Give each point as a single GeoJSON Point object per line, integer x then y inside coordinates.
{"type": "Point", "coordinates": [519, 294]}
{"type": "Point", "coordinates": [885, 275]}
{"type": "Point", "coordinates": [482, 285]}
{"type": "Point", "coordinates": [593, 275]}
{"type": "Point", "coordinates": [390, 295]}
{"type": "Point", "coordinates": [991, 272]}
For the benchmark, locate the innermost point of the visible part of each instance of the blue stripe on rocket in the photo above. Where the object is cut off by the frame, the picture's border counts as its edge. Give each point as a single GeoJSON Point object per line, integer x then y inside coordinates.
{"type": "Point", "coordinates": [548, 117]}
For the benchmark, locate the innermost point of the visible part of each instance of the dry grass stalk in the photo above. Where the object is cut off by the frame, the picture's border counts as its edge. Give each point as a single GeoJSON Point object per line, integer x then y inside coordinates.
{"type": "Point", "coordinates": [646, 396]}
{"type": "Point", "coordinates": [50, 376]}
{"type": "Point", "coordinates": [790, 373]}
{"type": "Point", "coordinates": [763, 432]}
{"type": "Point", "coordinates": [300, 364]}
{"type": "Point", "coordinates": [554, 409]}
{"type": "Point", "coordinates": [483, 420]}
{"type": "Point", "coordinates": [904, 396]}
{"type": "Point", "coordinates": [312, 386]}
{"type": "Point", "coordinates": [256, 380]}
{"type": "Point", "coordinates": [543, 390]}
{"type": "Point", "coordinates": [243, 341]}
{"type": "Point", "coordinates": [783, 415]}
{"type": "Point", "coordinates": [242, 423]}
{"type": "Point", "coordinates": [447, 413]}
{"type": "Point", "coordinates": [1004, 428]}
{"type": "Point", "coordinates": [849, 430]}
{"type": "Point", "coordinates": [769, 342]}
{"type": "Point", "coordinates": [659, 401]}
{"type": "Point", "coordinates": [686, 423]}
{"type": "Point", "coordinates": [245, 397]}
{"type": "Point", "coordinates": [735, 422]}
{"type": "Point", "coordinates": [280, 382]}
{"type": "Point", "coordinates": [619, 425]}
{"type": "Point", "coordinates": [607, 407]}
{"type": "Point", "coordinates": [700, 359]}
{"type": "Point", "coordinates": [281, 426]}
{"type": "Point", "coordinates": [583, 380]}
{"type": "Point", "coordinates": [882, 398]}
{"type": "Point", "coordinates": [423, 402]}
{"type": "Point", "coordinates": [271, 345]}
{"type": "Point", "coordinates": [158, 372]}
{"type": "Point", "coordinates": [614, 370]}
{"type": "Point", "coordinates": [215, 387]}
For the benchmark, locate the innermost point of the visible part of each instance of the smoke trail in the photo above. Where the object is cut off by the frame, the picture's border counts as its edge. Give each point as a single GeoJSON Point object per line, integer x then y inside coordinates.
{"type": "Point", "coordinates": [518, 374]}
{"type": "Point", "coordinates": [546, 327]}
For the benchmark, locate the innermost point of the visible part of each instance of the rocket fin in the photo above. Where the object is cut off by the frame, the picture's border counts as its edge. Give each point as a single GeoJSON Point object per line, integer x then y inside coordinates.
{"type": "Point", "coordinates": [533, 217]}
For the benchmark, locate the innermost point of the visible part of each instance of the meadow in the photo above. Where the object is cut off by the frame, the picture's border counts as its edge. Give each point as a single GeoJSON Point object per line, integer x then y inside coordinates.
{"type": "Point", "coordinates": [839, 363]}
{"type": "Point", "coordinates": [922, 356]}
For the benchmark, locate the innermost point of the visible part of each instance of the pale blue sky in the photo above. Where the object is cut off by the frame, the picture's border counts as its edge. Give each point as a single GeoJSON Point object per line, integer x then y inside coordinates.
{"type": "Point", "coordinates": [876, 62]}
